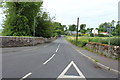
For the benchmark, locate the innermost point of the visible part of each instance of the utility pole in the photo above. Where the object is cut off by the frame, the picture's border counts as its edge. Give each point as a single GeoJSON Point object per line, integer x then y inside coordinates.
{"type": "Point", "coordinates": [77, 31]}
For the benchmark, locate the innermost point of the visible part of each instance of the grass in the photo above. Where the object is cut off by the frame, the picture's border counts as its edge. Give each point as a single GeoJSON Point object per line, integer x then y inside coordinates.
{"type": "Point", "coordinates": [104, 40]}
{"type": "Point", "coordinates": [82, 41]}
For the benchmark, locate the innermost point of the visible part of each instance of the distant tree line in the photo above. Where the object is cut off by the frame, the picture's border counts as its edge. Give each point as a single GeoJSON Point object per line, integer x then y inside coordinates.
{"type": "Point", "coordinates": [116, 30]}
{"type": "Point", "coordinates": [102, 28]}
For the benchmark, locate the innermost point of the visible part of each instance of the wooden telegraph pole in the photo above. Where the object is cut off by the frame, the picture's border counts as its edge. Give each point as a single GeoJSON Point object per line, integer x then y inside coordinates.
{"type": "Point", "coordinates": [77, 31]}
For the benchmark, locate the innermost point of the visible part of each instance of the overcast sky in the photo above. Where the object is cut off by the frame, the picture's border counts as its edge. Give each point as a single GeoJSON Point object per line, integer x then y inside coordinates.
{"type": "Point", "coordinates": [91, 12]}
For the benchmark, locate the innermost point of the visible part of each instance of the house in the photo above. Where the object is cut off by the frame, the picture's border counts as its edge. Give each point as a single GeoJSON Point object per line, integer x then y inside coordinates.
{"type": "Point", "coordinates": [104, 33]}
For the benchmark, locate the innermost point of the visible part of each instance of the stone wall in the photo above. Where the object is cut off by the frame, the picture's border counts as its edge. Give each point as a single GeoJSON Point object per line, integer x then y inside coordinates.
{"type": "Point", "coordinates": [104, 49]}
{"type": "Point", "coordinates": [9, 41]}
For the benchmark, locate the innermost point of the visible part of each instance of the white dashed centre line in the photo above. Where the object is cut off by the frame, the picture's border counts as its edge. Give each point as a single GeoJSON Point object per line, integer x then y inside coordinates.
{"type": "Point", "coordinates": [26, 76]}
{"type": "Point", "coordinates": [57, 48]}
{"type": "Point", "coordinates": [49, 59]}
{"type": "Point", "coordinates": [52, 55]}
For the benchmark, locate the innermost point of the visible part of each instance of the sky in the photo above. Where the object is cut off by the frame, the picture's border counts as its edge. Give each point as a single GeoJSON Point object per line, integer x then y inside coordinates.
{"type": "Point", "coordinates": [90, 12]}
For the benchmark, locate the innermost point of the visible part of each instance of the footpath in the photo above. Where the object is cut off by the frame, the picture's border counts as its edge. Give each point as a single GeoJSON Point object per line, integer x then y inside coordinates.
{"type": "Point", "coordinates": [104, 62]}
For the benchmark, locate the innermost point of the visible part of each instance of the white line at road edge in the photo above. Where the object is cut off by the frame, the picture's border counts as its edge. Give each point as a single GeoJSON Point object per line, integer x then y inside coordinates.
{"type": "Point", "coordinates": [101, 65]}
{"type": "Point", "coordinates": [26, 76]}
{"type": "Point", "coordinates": [57, 48]}
{"type": "Point", "coordinates": [49, 59]}
{"type": "Point", "coordinates": [62, 75]}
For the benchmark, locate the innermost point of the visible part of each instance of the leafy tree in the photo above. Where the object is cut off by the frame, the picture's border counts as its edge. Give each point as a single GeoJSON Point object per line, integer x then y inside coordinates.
{"type": "Point", "coordinates": [59, 28]}
{"type": "Point", "coordinates": [23, 18]}
{"type": "Point", "coordinates": [102, 27]}
{"type": "Point", "coordinates": [82, 28]}
{"type": "Point", "coordinates": [20, 18]}
{"type": "Point", "coordinates": [116, 31]}
{"type": "Point", "coordinates": [44, 25]}
{"type": "Point", "coordinates": [72, 27]}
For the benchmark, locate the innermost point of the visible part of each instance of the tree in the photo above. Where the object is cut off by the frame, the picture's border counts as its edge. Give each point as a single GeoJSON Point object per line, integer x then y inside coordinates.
{"type": "Point", "coordinates": [59, 28]}
{"type": "Point", "coordinates": [44, 25]}
{"type": "Point", "coordinates": [72, 27]}
{"type": "Point", "coordinates": [20, 18]}
{"type": "Point", "coordinates": [116, 31]}
{"type": "Point", "coordinates": [23, 18]}
{"type": "Point", "coordinates": [102, 27]}
{"type": "Point", "coordinates": [82, 28]}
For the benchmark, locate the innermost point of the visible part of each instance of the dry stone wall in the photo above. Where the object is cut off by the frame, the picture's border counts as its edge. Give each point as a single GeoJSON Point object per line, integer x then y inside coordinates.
{"type": "Point", "coordinates": [104, 49]}
{"type": "Point", "coordinates": [9, 41]}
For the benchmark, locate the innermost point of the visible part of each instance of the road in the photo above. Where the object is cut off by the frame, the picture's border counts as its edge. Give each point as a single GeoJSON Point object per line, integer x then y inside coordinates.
{"type": "Point", "coordinates": [53, 60]}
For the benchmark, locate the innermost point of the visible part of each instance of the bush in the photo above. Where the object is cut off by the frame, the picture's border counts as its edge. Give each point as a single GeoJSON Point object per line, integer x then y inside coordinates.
{"type": "Point", "coordinates": [95, 39]}
{"type": "Point", "coordinates": [113, 41]}
{"type": "Point", "coordinates": [91, 35]}
{"type": "Point", "coordinates": [102, 35]}
{"type": "Point", "coordinates": [82, 43]}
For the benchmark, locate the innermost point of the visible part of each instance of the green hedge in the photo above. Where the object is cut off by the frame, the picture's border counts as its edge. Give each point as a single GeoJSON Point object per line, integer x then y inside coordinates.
{"type": "Point", "coordinates": [104, 40]}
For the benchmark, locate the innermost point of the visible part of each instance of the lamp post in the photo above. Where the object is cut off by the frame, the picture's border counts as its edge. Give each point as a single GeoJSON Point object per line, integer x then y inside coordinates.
{"type": "Point", "coordinates": [110, 31]}
{"type": "Point", "coordinates": [34, 30]}
{"type": "Point", "coordinates": [118, 26]}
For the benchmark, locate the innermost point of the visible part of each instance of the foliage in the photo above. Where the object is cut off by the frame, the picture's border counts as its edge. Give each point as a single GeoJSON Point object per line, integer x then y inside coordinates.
{"type": "Point", "coordinates": [103, 40]}
{"type": "Point", "coordinates": [102, 27]}
{"type": "Point", "coordinates": [43, 25]}
{"type": "Point", "coordinates": [20, 18]}
{"type": "Point", "coordinates": [81, 42]}
{"type": "Point", "coordinates": [102, 35]}
{"type": "Point", "coordinates": [82, 28]}
{"type": "Point", "coordinates": [72, 27]}
{"type": "Point", "coordinates": [116, 31]}
{"type": "Point", "coordinates": [29, 19]}
{"type": "Point", "coordinates": [59, 28]}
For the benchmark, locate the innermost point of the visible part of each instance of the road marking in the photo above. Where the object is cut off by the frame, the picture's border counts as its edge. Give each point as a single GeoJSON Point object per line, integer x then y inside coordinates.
{"type": "Point", "coordinates": [57, 48]}
{"type": "Point", "coordinates": [26, 76]}
{"type": "Point", "coordinates": [101, 65]}
{"type": "Point", "coordinates": [49, 59]}
{"type": "Point", "coordinates": [62, 75]}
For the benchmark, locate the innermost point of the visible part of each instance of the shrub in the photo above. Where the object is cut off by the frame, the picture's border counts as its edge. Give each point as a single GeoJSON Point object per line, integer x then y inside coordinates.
{"type": "Point", "coordinates": [102, 35]}
{"type": "Point", "coordinates": [113, 41]}
{"type": "Point", "coordinates": [82, 43]}
{"type": "Point", "coordinates": [95, 39]}
{"type": "Point", "coordinates": [91, 35]}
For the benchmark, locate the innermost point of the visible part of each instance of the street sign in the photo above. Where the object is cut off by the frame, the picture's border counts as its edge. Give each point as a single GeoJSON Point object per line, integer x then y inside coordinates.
{"type": "Point", "coordinates": [110, 29]}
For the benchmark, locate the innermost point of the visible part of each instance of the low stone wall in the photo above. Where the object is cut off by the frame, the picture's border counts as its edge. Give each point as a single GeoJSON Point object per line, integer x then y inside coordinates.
{"type": "Point", "coordinates": [9, 41]}
{"type": "Point", "coordinates": [104, 49]}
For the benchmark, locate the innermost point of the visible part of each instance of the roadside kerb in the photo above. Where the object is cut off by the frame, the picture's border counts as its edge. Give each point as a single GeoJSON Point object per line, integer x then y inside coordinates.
{"type": "Point", "coordinates": [94, 61]}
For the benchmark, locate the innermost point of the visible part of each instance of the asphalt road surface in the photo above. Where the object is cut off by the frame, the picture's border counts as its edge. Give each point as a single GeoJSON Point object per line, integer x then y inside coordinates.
{"type": "Point", "coordinates": [55, 60]}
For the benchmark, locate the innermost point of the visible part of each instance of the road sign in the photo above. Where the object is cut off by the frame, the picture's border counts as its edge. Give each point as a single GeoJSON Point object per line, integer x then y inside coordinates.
{"type": "Point", "coordinates": [110, 29]}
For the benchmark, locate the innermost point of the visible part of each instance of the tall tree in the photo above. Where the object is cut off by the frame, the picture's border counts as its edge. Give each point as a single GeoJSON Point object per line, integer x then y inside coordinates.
{"type": "Point", "coordinates": [102, 27]}
{"type": "Point", "coordinates": [82, 28]}
{"type": "Point", "coordinates": [59, 28]}
{"type": "Point", "coordinates": [20, 18]}
{"type": "Point", "coordinates": [72, 27]}
{"type": "Point", "coordinates": [44, 25]}
{"type": "Point", "coordinates": [116, 31]}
